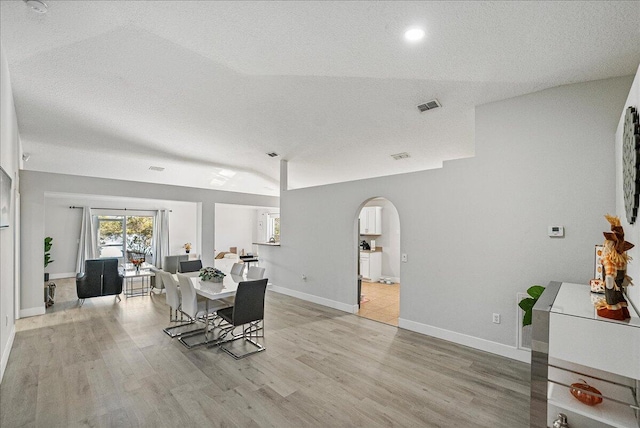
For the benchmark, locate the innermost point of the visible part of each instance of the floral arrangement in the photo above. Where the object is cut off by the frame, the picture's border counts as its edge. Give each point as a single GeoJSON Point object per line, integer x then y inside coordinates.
{"type": "Point", "coordinates": [209, 273]}
{"type": "Point", "coordinates": [187, 246]}
{"type": "Point", "coordinates": [137, 262]}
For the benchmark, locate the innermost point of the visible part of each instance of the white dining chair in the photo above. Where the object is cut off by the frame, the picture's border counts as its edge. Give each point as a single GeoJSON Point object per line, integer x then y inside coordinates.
{"type": "Point", "coordinates": [156, 281]}
{"type": "Point", "coordinates": [237, 269]}
{"type": "Point", "coordinates": [173, 299]}
{"type": "Point", "coordinates": [255, 272]}
{"type": "Point", "coordinates": [196, 310]}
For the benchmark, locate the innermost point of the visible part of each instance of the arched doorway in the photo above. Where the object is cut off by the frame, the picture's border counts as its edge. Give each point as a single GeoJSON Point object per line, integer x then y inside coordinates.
{"type": "Point", "coordinates": [378, 243]}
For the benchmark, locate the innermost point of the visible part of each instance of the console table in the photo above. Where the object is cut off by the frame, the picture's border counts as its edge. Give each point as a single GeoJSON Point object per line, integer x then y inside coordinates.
{"type": "Point", "coordinates": [571, 342]}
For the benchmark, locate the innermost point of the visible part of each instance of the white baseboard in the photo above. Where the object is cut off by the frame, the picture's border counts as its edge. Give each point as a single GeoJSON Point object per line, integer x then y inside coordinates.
{"type": "Point", "coordinates": [466, 340]}
{"type": "Point", "coordinates": [352, 309]}
{"type": "Point", "coordinates": [62, 275]}
{"type": "Point", "coordinates": [6, 351]}
{"type": "Point", "coordinates": [32, 312]}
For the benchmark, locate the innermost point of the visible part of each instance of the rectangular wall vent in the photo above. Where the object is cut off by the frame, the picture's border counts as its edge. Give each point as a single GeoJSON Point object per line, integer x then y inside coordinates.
{"type": "Point", "coordinates": [156, 168]}
{"type": "Point", "coordinates": [272, 154]}
{"type": "Point", "coordinates": [429, 105]}
{"type": "Point", "coordinates": [402, 155]}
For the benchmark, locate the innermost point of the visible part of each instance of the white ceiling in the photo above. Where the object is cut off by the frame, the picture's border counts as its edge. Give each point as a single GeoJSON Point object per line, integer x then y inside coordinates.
{"type": "Point", "coordinates": [205, 89]}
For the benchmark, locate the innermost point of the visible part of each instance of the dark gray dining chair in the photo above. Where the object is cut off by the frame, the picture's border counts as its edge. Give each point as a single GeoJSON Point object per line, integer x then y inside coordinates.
{"type": "Point", "coordinates": [247, 311]}
{"type": "Point", "coordinates": [190, 266]}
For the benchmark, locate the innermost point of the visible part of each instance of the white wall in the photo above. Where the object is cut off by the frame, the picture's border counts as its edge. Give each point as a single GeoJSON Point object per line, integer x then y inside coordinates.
{"type": "Point", "coordinates": [34, 186]}
{"type": "Point", "coordinates": [9, 237]}
{"type": "Point", "coordinates": [390, 238]}
{"type": "Point", "coordinates": [63, 225]}
{"type": "Point", "coordinates": [235, 227]}
{"type": "Point", "coordinates": [632, 232]}
{"type": "Point", "coordinates": [475, 231]}
{"type": "Point", "coordinates": [260, 233]}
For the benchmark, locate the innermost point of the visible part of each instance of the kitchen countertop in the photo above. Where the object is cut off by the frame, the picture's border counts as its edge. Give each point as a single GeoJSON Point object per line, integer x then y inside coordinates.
{"type": "Point", "coordinates": [269, 244]}
{"type": "Point", "coordinates": [376, 250]}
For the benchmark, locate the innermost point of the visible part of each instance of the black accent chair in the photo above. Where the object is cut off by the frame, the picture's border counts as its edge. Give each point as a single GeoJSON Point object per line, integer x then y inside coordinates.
{"type": "Point", "coordinates": [190, 266]}
{"type": "Point", "coordinates": [101, 277]}
{"type": "Point", "coordinates": [248, 309]}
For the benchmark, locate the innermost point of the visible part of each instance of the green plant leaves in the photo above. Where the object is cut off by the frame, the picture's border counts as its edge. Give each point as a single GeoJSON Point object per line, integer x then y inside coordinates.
{"type": "Point", "coordinates": [527, 304]}
{"type": "Point", "coordinates": [535, 291]}
{"type": "Point", "coordinates": [47, 247]}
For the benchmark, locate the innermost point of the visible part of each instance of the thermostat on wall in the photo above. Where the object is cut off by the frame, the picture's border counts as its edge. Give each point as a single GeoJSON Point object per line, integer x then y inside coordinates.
{"type": "Point", "coordinates": [555, 231]}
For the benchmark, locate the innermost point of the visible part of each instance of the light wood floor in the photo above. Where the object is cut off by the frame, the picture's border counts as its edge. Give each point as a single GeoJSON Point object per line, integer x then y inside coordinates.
{"type": "Point", "coordinates": [382, 302]}
{"type": "Point", "coordinates": [109, 364]}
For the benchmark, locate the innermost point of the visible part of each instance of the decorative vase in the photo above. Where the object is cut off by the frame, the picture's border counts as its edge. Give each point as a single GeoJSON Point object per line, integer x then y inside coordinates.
{"type": "Point", "coordinates": [187, 251]}
{"type": "Point", "coordinates": [216, 279]}
{"type": "Point", "coordinates": [137, 268]}
{"type": "Point", "coordinates": [581, 392]}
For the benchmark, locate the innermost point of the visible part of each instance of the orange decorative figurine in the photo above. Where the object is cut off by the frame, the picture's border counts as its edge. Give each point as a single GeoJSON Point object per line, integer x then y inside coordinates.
{"type": "Point", "coordinates": [614, 263]}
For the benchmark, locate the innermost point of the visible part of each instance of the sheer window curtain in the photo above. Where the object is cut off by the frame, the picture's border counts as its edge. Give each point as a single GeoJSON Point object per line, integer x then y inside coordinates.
{"type": "Point", "coordinates": [88, 248]}
{"type": "Point", "coordinates": [161, 237]}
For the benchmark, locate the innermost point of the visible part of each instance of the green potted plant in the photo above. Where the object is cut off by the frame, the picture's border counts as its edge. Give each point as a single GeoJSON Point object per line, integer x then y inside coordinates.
{"type": "Point", "coordinates": [211, 274]}
{"type": "Point", "coordinates": [527, 304]}
{"type": "Point", "coordinates": [47, 255]}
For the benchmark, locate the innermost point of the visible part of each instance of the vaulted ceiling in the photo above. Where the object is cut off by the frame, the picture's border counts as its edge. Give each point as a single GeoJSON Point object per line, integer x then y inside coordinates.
{"type": "Point", "coordinates": [206, 89]}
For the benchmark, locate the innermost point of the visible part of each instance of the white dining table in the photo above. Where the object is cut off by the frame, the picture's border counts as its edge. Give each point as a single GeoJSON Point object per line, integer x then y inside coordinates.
{"type": "Point", "coordinates": [212, 291]}
{"type": "Point", "coordinates": [217, 290]}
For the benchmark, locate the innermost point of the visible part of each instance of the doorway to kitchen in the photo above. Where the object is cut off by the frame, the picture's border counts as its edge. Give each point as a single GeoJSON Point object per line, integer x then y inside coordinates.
{"type": "Point", "coordinates": [379, 261]}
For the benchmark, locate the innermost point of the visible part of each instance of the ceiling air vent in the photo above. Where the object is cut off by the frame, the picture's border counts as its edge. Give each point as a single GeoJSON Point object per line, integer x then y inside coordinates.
{"type": "Point", "coordinates": [156, 168]}
{"type": "Point", "coordinates": [273, 154]}
{"type": "Point", "coordinates": [429, 105]}
{"type": "Point", "coordinates": [402, 155]}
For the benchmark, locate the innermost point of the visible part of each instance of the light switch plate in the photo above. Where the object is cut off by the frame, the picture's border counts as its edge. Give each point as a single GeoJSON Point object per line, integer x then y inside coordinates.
{"type": "Point", "coordinates": [404, 257]}
{"type": "Point", "coordinates": [556, 231]}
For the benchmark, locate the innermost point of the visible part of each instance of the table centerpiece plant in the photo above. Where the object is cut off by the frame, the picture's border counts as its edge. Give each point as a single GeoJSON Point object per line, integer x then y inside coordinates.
{"type": "Point", "coordinates": [211, 274]}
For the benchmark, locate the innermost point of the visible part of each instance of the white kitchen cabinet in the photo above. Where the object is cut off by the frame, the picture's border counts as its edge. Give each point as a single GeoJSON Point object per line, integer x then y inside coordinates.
{"type": "Point", "coordinates": [571, 342]}
{"type": "Point", "coordinates": [371, 221]}
{"type": "Point", "coordinates": [371, 265]}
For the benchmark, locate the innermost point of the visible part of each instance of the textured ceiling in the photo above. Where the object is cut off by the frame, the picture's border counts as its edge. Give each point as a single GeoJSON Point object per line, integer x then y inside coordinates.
{"type": "Point", "coordinates": [205, 89]}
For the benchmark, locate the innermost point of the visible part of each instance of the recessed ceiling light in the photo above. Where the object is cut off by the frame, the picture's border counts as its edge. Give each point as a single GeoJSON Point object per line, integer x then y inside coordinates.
{"type": "Point", "coordinates": [273, 154]}
{"type": "Point", "coordinates": [37, 5]}
{"type": "Point", "coordinates": [414, 34]}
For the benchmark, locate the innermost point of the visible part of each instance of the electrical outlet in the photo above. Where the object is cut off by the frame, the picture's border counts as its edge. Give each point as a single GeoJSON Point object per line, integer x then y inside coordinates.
{"type": "Point", "coordinates": [496, 318]}
{"type": "Point", "coordinates": [404, 258]}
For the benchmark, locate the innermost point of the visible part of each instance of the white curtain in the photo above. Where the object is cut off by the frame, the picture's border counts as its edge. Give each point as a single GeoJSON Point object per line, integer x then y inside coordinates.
{"type": "Point", "coordinates": [161, 237]}
{"type": "Point", "coordinates": [88, 248]}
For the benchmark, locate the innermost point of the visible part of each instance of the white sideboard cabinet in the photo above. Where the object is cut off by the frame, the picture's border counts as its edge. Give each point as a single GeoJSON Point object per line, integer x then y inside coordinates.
{"type": "Point", "coordinates": [571, 343]}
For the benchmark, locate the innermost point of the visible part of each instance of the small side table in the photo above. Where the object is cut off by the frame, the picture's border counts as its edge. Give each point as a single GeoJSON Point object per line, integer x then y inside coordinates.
{"type": "Point", "coordinates": [145, 276]}
{"type": "Point", "coordinates": [248, 260]}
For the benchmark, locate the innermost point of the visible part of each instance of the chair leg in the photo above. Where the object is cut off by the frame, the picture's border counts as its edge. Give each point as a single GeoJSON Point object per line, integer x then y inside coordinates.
{"type": "Point", "coordinates": [81, 302]}
{"type": "Point", "coordinates": [119, 298]}
{"type": "Point", "coordinates": [173, 318]}
{"type": "Point", "coordinates": [248, 337]}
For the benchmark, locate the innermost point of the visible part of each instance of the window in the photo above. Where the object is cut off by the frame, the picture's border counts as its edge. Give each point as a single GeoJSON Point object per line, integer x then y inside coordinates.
{"type": "Point", "coordinates": [273, 227]}
{"type": "Point", "coordinates": [119, 235]}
